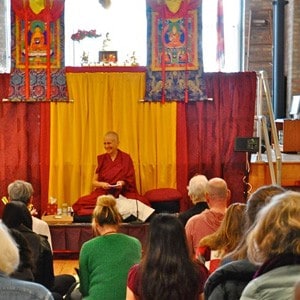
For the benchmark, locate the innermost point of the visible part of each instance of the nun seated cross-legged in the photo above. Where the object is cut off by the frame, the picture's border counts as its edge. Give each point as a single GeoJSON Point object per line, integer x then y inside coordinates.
{"type": "Point", "coordinates": [114, 175]}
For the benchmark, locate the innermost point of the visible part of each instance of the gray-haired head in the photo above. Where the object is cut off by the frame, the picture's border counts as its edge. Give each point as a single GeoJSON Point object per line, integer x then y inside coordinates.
{"type": "Point", "coordinates": [196, 188]}
{"type": "Point", "coordinates": [20, 190]}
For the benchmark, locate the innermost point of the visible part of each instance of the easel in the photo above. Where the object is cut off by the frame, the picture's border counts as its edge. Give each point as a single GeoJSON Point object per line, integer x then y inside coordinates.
{"type": "Point", "coordinates": [263, 131]}
{"type": "Point", "coordinates": [251, 145]}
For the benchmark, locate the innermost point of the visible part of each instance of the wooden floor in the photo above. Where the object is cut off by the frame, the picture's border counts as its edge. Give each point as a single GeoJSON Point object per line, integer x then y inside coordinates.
{"type": "Point", "coordinates": [65, 266]}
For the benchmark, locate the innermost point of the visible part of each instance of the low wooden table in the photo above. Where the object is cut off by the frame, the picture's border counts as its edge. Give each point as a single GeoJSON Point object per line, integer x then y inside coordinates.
{"type": "Point", "coordinates": [67, 239]}
{"type": "Point", "coordinates": [57, 219]}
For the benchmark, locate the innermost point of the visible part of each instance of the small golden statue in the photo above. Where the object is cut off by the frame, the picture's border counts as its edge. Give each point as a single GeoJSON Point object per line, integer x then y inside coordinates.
{"type": "Point", "coordinates": [133, 60]}
{"type": "Point", "coordinates": [84, 58]}
{"type": "Point", "coordinates": [106, 43]}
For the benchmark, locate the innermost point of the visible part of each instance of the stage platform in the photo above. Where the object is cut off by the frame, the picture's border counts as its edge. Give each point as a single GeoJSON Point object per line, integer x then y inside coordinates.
{"type": "Point", "coordinates": [290, 171]}
{"type": "Point", "coordinates": [67, 239]}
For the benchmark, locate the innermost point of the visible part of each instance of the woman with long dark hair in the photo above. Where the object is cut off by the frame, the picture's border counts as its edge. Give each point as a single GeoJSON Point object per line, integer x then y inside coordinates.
{"type": "Point", "coordinates": [167, 270]}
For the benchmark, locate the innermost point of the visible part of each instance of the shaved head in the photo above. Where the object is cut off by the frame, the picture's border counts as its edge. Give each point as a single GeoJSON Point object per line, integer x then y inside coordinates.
{"type": "Point", "coordinates": [112, 135]}
{"type": "Point", "coordinates": [217, 188]}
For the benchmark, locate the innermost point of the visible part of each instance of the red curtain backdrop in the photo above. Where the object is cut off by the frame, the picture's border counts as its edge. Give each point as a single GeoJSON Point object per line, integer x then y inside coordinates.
{"type": "Point", "coordinates": [206, 131]}
{"type": "Point", "coordinates": [24, 148]}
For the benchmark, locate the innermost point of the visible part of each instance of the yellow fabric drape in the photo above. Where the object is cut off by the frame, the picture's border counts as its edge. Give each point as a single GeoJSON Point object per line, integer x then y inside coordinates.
{"type": "Point", "coordinates": [102, 102]}
{"type": "Point", "coordinates": [37, 5]}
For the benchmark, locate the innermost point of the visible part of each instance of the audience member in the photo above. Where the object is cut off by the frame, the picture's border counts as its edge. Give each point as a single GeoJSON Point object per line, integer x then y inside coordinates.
{"type": "Point", "coordinates": [17, 216]}
{"type": "Point", "coordinates": [229, 280]}
{"type": "Point", "coordinates": [10, 288]}
{"type": "Point", "coordinates": [167, 270]}
{"type": "Point", "coordinates": [20, 190]}
{"type": "Point", "coordinates": [26, 265]}
{"type": "Point", "coordinates": [226, 238]}
{"type": "Point", "coordinates": [105, 260]}
{"type": "Point", "coordinates": [274, 245]}
{"type": "Point", "coordinates": [297, 291]}
{"type": "Point", "coordinates": [114, 175]}
{"type": "Point", "coordinates": [217, 196]}
{"type": "Point", "coordinates": [196, 192]}
{"type": "Point", "coordinates": [255, 203]}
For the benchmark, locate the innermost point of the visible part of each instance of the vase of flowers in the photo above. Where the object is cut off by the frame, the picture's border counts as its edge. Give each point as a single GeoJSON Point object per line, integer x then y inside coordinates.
{"type": "Point", "coordinates": [82, 34]}
{"type": "Point", "coordinates": [83, 43]}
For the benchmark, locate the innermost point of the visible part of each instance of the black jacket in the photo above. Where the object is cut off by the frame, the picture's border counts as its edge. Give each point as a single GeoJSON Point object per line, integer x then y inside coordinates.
{"type": "Point", "coordinates": [42, 257]}
{"type": "Point", "coordinates": [229, 281]}
{"type": "Point", "coordinates": [196, 209]}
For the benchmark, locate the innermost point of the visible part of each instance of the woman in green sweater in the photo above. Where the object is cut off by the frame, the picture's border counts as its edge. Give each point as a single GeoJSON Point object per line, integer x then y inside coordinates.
{"type": "Point", "coordinates": [104, 261]}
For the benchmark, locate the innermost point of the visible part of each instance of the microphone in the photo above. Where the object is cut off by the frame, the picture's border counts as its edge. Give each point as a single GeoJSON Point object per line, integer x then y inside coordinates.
{"type": "Point", "coordinates": [137, 221]}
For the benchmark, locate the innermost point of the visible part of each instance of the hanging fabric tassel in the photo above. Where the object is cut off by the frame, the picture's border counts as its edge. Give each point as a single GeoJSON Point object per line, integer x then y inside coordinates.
{"type": "Point", "coordinates": [220, 36]}
{"type": "Point", "coordinates": [48, 63]}
{"type": "Point", "coordinates": [186, 89]}
{"type": "Point", "coordinates": [27, 73]}
{"type": "Point", "coordinates": [163, 63]}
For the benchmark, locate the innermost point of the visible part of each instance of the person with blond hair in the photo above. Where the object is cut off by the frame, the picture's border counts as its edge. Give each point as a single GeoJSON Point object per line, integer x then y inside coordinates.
{"type": "Point", "coordinates": [212, 248]}
{"type": "Point", "coordinates": [235, 270]}
{"type": "Point", "coordinates": [274, 245]}
{"type": "Point", "coordinates": [297, 291]}
{"type": "Point", "coordinates": [105, 260]}
{"type": "Point", "coordinates": [196, 192]}
{"type": "Point", "coordinates": [11, 288]}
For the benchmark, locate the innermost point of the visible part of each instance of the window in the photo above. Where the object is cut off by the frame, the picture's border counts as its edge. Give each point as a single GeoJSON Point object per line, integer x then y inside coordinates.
{"type": "Point", "coordinates": [125, 21]}
{"type": "Point", "coordinates": [5, 33]}
{"type": "Point", "coordinates": [232, 35]}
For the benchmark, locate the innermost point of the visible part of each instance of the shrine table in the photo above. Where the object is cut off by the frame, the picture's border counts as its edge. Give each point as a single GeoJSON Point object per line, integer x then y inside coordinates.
{"type": "Point", "coordinates": [67, 239]}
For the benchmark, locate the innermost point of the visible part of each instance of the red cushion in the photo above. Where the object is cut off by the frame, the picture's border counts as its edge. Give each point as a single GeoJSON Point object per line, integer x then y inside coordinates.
{"type": "Point", "coordinates": [163, 194]}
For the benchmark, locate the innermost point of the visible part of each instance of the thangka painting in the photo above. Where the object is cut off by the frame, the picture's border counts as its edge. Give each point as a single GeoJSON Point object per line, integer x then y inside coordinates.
{"type": "Point", "coordinates": [175, 68]}
{"type": "Point", "coordinates": [32, 36]}
{"type": "Point", "coordinates": [171, 47]}
{"type": "Point", "coordinates": [37, 45]}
